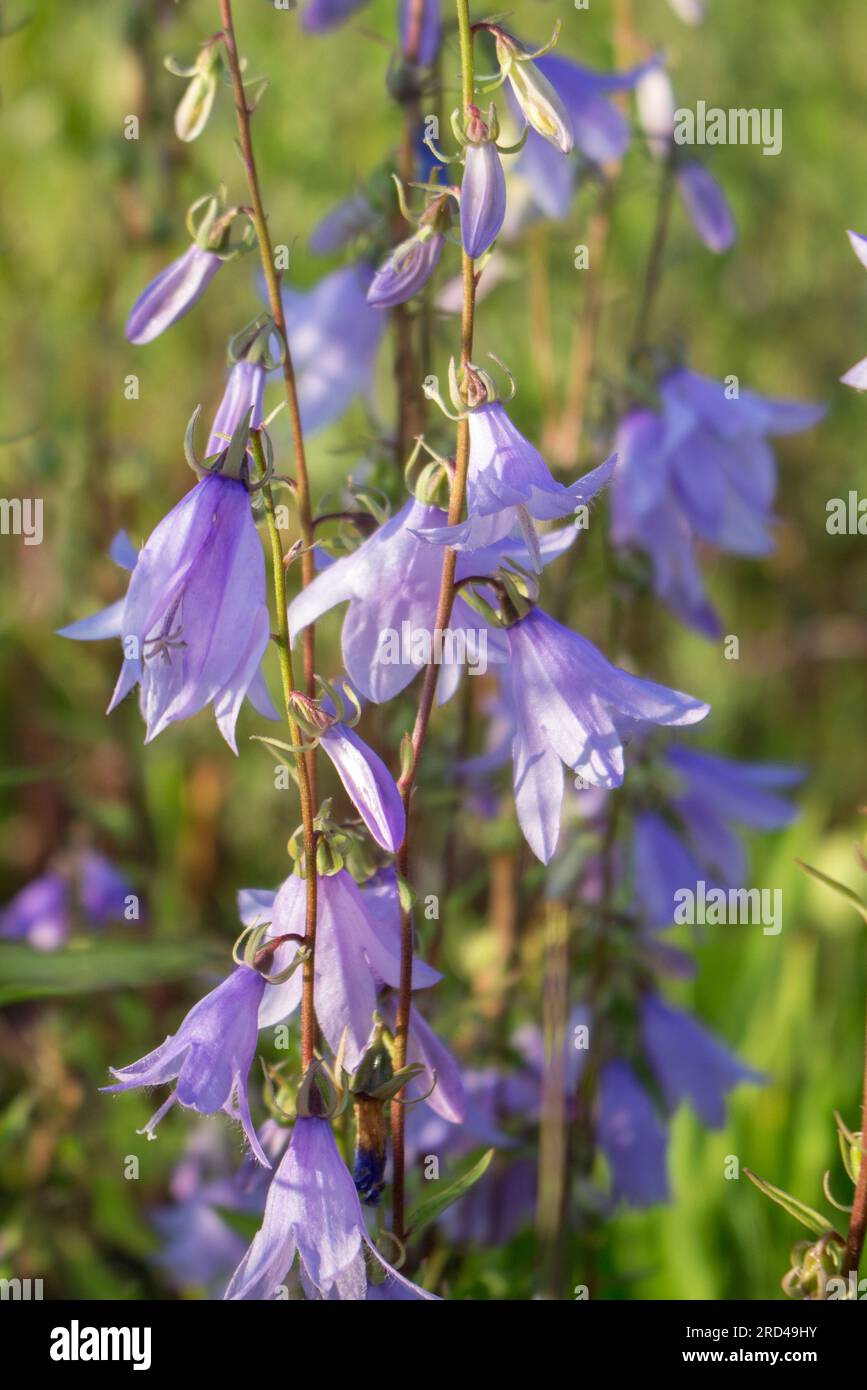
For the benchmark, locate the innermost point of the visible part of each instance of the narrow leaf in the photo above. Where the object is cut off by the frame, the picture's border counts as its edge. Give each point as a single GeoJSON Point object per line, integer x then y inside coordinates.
{"type": "Point", "coordinates": [433, 1207]}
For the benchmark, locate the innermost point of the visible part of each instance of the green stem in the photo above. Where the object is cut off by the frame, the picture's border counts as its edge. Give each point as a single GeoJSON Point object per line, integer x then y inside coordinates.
{"type": "Point", "coordinates": [429, 680]}
{"type": "Point", "coordinates": [305, 791]}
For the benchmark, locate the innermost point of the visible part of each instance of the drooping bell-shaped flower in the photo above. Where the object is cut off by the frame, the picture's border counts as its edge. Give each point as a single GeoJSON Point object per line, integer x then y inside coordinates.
{"type": "Point", "coordinates": [321, 15]}
{"type": "Point", "coordinates": [103, 891]}
{"type": "Point", "coordinates": [194, 623]}
{"type": "Point", "coordinates": [691, 837]}
{"type": "Point", "coordinates": [571, 706]}
{"type": "Point", "coordinates": [365, 777]}
{"type": "Point", "coordinates": [690, 1064]}
{"type": "Point", "coordinates": [508, 482]}
{"type": "Point", "coordinates": [601, 131]}
{"type": "Point", "coordinates": [537, 98]}
{"type": "Point", "coordinates": [420, 25]}
{"type": "Point", "coordinates": [210, 1055]}
{"type": "Point", "coordinates": [353, 958]}
{"type": "Point", "coordinates": [856, 376]}
{"type": "Point", "coordinates": [483, 189]}
{"type": "Point", "coordinates": [334, 336]}
{"type": "Point", "coordinates": [440, 1080]}
{"type": "Point", "coordinates": [391, 583]}
{"type": "Point", "coordinates": [313, 1210]}
{"type": "Point", "coordinates": [706, 206]}
{"type": "Point", "coordinates": [632, 1137]}
{"type": "Point", "coordinates": [172, 294]}
{"type": "Point", "coordinates": [407, 270]}
{"type": "Point", "coordinates": [39, 914]}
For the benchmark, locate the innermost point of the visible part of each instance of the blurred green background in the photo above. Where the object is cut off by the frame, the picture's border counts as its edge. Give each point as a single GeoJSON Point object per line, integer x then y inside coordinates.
{"type": "Point", "coordinates": [86, 219]}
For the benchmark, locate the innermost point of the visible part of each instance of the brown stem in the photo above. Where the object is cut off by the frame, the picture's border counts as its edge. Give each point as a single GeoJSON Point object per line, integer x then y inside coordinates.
{"type": "Point", "coordinates": [306, 766]}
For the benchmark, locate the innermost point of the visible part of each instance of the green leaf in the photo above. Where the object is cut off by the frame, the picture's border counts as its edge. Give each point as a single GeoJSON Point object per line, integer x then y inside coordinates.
{"type": "Point", "coordinates": [433, 1207]}
{"type": "Point", "coordinates": [840, 888]}
{"type": "Point", "coordinates": [801, 1212]}
{"type": "Point", "coordinates": [90, 966]}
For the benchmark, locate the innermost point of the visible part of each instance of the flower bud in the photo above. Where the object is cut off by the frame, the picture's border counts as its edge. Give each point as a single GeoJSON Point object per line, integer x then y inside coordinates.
{"type": "Point", "coordinates": [243, 396]}
{"type": "Point", "coordinates": [172, 294]}
{"type": "Point", "coordinates": [407, 270]}
{"type": "Point", "coordinates": [539, 102]}
{"type": "Point", "coordinates": [195, 105]}
{"type": "Point", "coordinates": [483, 190]}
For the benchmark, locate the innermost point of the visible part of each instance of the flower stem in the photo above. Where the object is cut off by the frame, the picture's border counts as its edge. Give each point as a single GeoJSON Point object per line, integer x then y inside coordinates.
{"type": "Point", "coordinates": [306, 766]}
{"type": "Point", "coordinates": [655, 259]}
{"type": "Point", "coordinates": [305, 792]}
{"type": "Point", "coordinates": [429, 681]}
{"type": "Point", "coordinates": [275, 302]}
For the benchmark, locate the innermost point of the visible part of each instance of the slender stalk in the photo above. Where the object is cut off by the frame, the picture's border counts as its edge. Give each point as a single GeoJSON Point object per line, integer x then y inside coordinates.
{"type": "Point", "coordinates": [287, 678]}
{"type": "Point", "coordinates": [275, 303]}
{"type": "Point", "coordinates": [655, 260]}
{"type": "Point", "coordinates": [858, 1220]}
{"type": "Point", "coordinates": [306, 765]}
{"type": "Point", "coordinates": [429, 680]}
{"type": "Point", "coordinates": [410, 401]}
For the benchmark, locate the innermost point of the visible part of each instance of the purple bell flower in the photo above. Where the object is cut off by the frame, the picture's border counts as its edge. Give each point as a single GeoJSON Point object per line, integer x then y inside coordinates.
{"type": "Point", "coordinates": [39, 914]}
{"type": "Point", "coordinates": [210, 1055]}
{"type": "Point", "coordinates": [508, 481]}
{"type": "Point", "coordinates": [483, 190]}
{"type": "Point", "coordinates": [440, 1081]}
{"type": "Point", "coordinates": [334, 335]}
{"type": "Point", "coordinates": [351, 218]}
{"type": "Point", "coordinates": [406, 271]}
{"type": "Point", "coordinates": [632, 1137]}
{"type": "Point", "coordinates": [353, 958]}
{"type": "Point", "coordinates": [392, 582]}
{"type": "Point", "coordinates": [706, 206]}
{"type": "Point", "coordinates": [313, 1209]}
{"type": "Point", "coordinates": [690, 1064]}
{"type": "Point", "coordinates": [245, 390]}
{"type": "Point", "coordinates": [321, 15]}
{"type": "Point", "coordinates": [571, 705]}
{"type": "Point", "coordinates": [102, 890]}
{"type": "Point", "coordinates": [856, 376]}
{"type": "Point", "coordinates": [175, 290]}
{"type": "Point", "coordinates": [713, 793]}
{"type": "Point", "coordinates": [368, 784]}
{"type": "Point", "coordinates": [427, 41]}
{"type": "Point", "coordinates": [194, 623]}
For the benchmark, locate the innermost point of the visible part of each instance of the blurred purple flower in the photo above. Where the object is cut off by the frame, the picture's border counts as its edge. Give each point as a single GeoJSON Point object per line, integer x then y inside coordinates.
{"type": "Point", "coordinates": [569, 703]}
{"type": "Point", "coordinates": [690, 1064]}
{"type": "Point", "coordinates": [334, 335]}
{"type": "Point", "coordinates": [312, 1209]}
{"type": "Point", "coordinates": [351, 218]}
{"type": "Point", "coordinates": [428, 42]}
{"type": "Point", "coordinates": [175, 290]}
{"type": "Point", "coordinates": [321, 15]}
{"type": "Point", "coordinates": [406, 271]}
{"type": "Point", "coordinates": [103, 891]}
{"type": "Point", "coordinates": [39, 914]}
{"type": "Point", "coordinates": [707, 206]}
{"type": "Point", "coordinates": [210, 1055]}
{"type": "Point", "coordinates": [632, 1137]}
{"type": "Point", "coordinates": [508, 482]}
{"type": "Point", "coordinates": [601, 131]}
{"type": "Point", "coordinates": [353, 957]}
{"type": "Point", "coordinates": [698, 843]}
{"type": "Point", "coordinates": [194, 623]}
